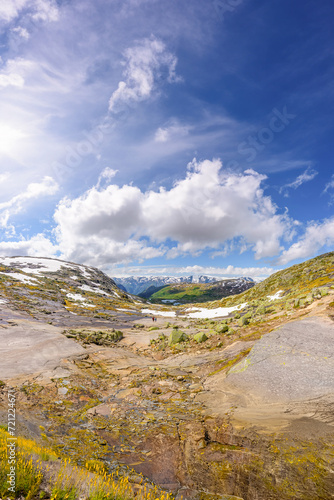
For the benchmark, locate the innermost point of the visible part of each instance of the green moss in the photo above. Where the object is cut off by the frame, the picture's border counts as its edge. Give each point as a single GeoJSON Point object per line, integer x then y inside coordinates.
{"type": "Point", "coordinates": [226, 364]}
{"type": "Point", "coordinates": [200, 337]}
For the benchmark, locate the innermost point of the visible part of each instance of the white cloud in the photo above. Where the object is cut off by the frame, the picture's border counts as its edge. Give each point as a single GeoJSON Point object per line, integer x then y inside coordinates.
{"type": "Point", "coordinates": [4, 177]}
{"type": "Point", "coordinates": [316, 236]}
{"type": "Point", "coordinates": [36, 246]}
{"type": "Point", "coordinates": [306, 176]}
{"type": "Point", "coordinates": [21, 32]}
{"type": "Point", "coordinates": [143, 67]}
{"type": "Point", "coordinates": [45, 10]}
{"type": "Point", "coordinates": [9, 9]}
{"type": "Point", "coordinates": [39, 10]}
{"type": "Point", "coordinates": [106, 175]}
{"type": "Point", "coordinates": [174, 131]}
{"type": "Point", "coordinates": [210, 207]}
{"type": "Point", "coordinates": [15, 72]}
{"type": "Point", "coordinates": [203, 210]}
{"type": "Point", "coordinates": [35, 190]}
{"type": "Point", "coordinates": [161, 135]}
{"type": "Point", "coordinates": [329, 185]}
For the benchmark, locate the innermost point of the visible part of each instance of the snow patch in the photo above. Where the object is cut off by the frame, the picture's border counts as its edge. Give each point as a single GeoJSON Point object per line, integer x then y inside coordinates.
{"type": "Point", "coordinates": [97, 290]}
{"type": "Point", "coordinates": [43, 265]}
{"type": "Point", "coordinates": [22, 278]}
{"type": "Point", "coordinates": [203, 313]}
{"type": "Point", "coordinates": [159, 313]}
{"type": "Point", "coordinates": [76, 296]}
{"type": "Point", "coordinates": [276, 296]}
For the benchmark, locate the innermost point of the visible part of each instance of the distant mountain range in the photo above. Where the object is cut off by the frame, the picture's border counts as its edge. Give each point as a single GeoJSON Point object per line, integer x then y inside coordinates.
{"type": "Point", "coordinates": [138, 284]}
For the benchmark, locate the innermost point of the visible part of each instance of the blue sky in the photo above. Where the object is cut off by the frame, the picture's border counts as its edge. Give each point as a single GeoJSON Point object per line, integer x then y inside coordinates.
{"type": "Point", "coordinates": [167, 137]}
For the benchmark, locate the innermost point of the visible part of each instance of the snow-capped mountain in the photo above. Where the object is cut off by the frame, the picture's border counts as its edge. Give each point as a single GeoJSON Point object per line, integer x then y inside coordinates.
{"type": "Point", "coordinates": [137, 284]}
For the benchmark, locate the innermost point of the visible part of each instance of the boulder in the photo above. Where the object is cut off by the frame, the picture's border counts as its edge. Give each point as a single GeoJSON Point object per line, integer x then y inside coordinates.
{"type": "Point", "coordinates": [176, 337]}
{"type": "Point", "coordinates": [200, 337]}
{"type": "Point", "coordinates": [222, 329]}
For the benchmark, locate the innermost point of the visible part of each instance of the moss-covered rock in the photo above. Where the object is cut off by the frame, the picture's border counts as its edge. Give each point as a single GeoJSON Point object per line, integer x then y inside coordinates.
{"type": "Point", "coordinates": [244, 321]}
{"type": "Point", "coordinates": [200, 337]}
{"type": "Point", "coordinates": [98, 337]}
{"type": "Point", "coordinates": [176, 337]}
{"type": "Point", "coordinates": [222, 329]}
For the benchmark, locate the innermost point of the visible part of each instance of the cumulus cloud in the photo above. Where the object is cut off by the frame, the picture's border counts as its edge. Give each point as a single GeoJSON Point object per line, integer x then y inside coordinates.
{"type": "Point", "coordinates": [204, 210]}
{"type": "Point", "coordinates": [37, 246]}
{"type": "Point", "coordinates": [316, 236]}
{"type": "Point", "coordinates": [47, 187]}
{"type": "Point", "coordinates": [308, 175]}
{"type": "Point", "coordinates": [210, 207]}
{"type": "Point", "coordinates": [144, 65]}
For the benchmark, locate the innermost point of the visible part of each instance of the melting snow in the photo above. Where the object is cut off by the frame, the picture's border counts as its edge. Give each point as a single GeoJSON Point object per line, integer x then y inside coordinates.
{"type": "Point", "coordinates": [22, 278]}
{"type": "Point", "coordinates": [276, 296]}
{"type": "Point", "coordinates": [201, 312]}
{"type": "Point", "coordinates": [76, 296]}
{"type": "Point", "coordinates": [87, 288]}
{"type": "Point", "coordinates": [159, 313]}
{"type": "Point", "coordinates": [45, 265]}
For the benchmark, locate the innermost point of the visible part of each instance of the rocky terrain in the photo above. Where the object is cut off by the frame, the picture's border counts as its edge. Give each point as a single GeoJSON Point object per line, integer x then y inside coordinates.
{"type": "Point", "coordinates": [233, 400]}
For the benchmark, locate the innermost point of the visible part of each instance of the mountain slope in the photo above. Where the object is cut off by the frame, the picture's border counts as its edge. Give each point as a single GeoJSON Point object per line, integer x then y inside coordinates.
{"type": "Point", "coordinates": [188, 293]}
{"type": "Point", "coordinates": [42, 286]}
{"type": "Point", "coordinates": [300, 282]}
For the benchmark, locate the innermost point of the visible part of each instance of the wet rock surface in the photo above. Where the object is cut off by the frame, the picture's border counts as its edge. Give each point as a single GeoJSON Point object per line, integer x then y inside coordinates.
{"type": "Point", "coordinates": [294, 362]}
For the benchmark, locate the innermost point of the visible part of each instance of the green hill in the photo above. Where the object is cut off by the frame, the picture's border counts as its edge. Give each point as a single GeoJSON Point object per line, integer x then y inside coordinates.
{"type": "Point", "coordinates": [301, 282]}
{"type": "Point", "coordinates": [185, 293]}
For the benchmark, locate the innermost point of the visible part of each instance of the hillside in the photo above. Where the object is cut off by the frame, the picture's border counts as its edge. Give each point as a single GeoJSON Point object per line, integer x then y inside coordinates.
{"type": "Point", "coordinates": [54, 290]}
{"type": "Point", "coordinates": [190, 293]}
{"type": "Point", "coordinates": [231, 399]}
{"type": "Point", "coordinates": [298, 285]}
